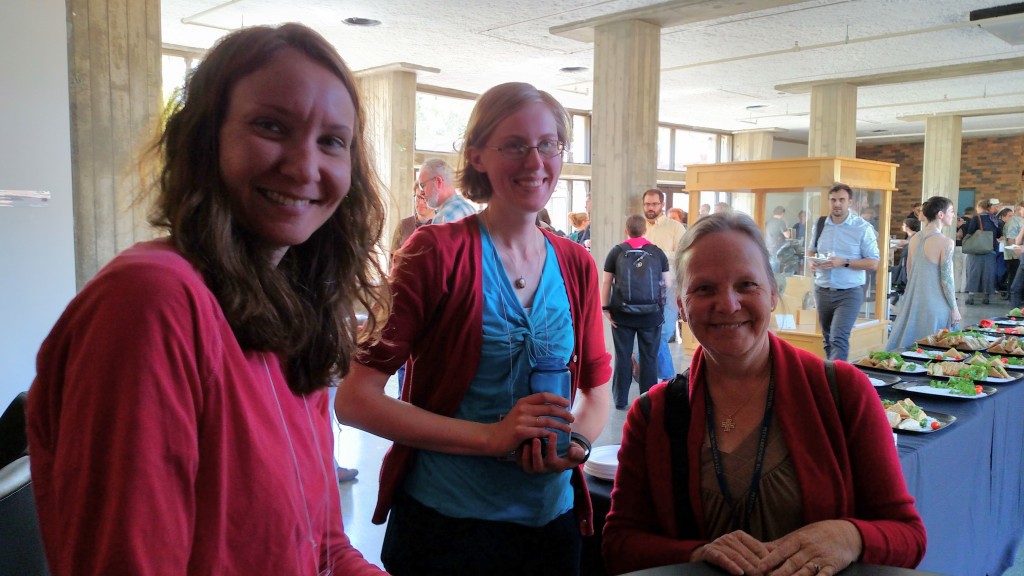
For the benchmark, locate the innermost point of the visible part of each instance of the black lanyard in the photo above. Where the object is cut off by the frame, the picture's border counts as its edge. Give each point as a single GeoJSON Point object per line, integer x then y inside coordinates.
{"type": "Point", "coordinates": [755, 480]}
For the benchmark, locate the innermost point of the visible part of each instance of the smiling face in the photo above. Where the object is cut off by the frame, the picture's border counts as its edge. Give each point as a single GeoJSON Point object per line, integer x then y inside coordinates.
{"type": "Point", "coordinates": [524, 184]}
{"type": "Point", "coordinates": [726, 296]}
{"type": "Point", "coordinates": [285, 149]}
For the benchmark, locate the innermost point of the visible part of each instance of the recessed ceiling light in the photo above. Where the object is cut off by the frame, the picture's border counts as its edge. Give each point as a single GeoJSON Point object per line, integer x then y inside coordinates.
{"type": "Point", "coordinates": [573, 69]}
{"type": "Point", "coordinates": [357, 21]}
{"type": "Point", "coordinates": [756, 106]}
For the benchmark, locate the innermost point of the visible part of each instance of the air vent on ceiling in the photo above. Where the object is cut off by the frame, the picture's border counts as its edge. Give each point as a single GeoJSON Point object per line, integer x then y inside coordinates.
{"type": "Point", "coordinates": [1005, 22]}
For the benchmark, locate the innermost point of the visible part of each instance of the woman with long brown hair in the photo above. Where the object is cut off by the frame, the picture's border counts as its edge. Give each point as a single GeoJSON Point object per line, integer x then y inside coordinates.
{"type": "Point", "coordinates": [179, 422]}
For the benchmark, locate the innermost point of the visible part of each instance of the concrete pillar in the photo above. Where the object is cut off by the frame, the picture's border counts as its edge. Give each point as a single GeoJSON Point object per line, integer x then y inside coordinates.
{"type": "Point", "coordinates": [627, 61]}
{"type": "Point", "coordinates": [943, 136]}
{"type": "Point", "coordinates": [833, 130]}
{"type": "Point", "coordinates": [389, 100]}
{"type": "Point", "coordinates": [752, 145]}
{"type": "Point", "coordinates": [115, 81]}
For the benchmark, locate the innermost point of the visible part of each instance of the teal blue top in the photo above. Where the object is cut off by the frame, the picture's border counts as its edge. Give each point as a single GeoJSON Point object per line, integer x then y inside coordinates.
{"type": "Point", "coordinates": [486, 487]}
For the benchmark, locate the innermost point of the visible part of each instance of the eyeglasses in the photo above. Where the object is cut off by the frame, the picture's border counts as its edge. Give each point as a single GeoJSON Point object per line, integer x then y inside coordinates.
{"type": "Point", "coordinates": [421, 186]}
{"type": "Point", "coordinates": [546, 148]}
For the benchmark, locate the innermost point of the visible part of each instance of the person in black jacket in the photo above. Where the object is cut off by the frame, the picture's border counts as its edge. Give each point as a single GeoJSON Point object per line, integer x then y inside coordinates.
{"type": "Point", "coordinates": [630, 318]}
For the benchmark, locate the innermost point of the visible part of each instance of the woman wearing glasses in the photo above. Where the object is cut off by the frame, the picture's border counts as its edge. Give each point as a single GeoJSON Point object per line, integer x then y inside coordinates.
{"type": "Point", "coordinates": [484, 477]}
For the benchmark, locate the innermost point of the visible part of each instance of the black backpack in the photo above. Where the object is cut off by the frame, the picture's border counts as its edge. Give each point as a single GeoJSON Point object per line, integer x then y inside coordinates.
{"type": "Point", "coordinates": [639, 287]}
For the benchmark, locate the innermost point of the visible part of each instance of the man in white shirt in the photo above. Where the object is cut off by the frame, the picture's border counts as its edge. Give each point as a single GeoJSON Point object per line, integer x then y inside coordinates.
{"type": "Point", "coordinates": [435, 182]}
{"type": "Point", "coordinates": [665, 233]}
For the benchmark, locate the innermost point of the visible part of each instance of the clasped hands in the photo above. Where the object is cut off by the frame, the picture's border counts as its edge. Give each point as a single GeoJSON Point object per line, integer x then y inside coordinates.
{"type": "Point", "coordinates": [523, 427]}
{"type": "Point", "coordinates": [822, 548]}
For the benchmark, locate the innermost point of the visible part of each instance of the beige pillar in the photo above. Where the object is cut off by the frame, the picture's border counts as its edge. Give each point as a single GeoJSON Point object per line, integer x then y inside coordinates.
{"type": "Point", "coordinates": [752, 145]}
{"type": "Point", "coordinates": [389, 99]}
{"type": "Point", "coordinates": [115, 93]}
{"type": "Point", "coordinates": [833, 130]}
{"type": "Point", "coordinates": [943, 136]}
{"type": "Point", "coordinates": [627, 61]}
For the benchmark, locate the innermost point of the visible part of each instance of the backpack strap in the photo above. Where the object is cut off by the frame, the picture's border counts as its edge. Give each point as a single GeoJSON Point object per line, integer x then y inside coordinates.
{"type": "Point", "coordinates": [817, 232]}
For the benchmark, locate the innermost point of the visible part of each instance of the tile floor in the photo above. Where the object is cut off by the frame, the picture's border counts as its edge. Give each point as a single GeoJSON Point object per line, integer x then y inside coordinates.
{"type": "Point", "coordinates": [355, 448]}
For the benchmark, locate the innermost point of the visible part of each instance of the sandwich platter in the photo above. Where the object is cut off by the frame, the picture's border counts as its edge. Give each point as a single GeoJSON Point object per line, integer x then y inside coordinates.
{"type": "Point", "coordinates": [906, 416]}
{"type": "Point", "coordinates": [1008, 362]}
{"type": "Point", "coordinates": [603, 462]}
{"type": "Point", "coordinates": [928, 390]}
{"type": "Point", "coordinates": [889, 362]}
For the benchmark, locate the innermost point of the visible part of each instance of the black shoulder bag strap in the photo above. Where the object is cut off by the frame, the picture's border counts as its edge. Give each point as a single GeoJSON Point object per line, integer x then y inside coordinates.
{"type": "Point", "coordinates": [830, 375]}
{"type": "Point", "coordinates": [817, 232]}
{"type": "Point", "coordinates": [677, 423]}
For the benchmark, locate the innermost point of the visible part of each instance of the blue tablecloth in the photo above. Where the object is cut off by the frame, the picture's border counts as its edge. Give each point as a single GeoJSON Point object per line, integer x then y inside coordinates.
{"type": "Point", "coordinates": [968, 480]}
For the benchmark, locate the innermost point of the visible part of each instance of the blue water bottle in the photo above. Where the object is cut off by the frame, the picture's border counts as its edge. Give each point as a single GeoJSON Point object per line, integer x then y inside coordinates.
{"type": "Point", "coordinates": [550, 374]}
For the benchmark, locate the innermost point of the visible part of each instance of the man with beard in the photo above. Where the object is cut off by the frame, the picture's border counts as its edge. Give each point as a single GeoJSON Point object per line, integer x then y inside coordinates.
{"type": "Point", "coordinates": [435, 183]}
{"type": "Point", "coordinates": [851, 244]}
{"type": "Point", "coordinates": [665, 233]}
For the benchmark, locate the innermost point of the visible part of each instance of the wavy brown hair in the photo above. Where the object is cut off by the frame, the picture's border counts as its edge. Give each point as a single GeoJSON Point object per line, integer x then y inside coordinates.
{"type": "Point", "coordinates": [305, 307]}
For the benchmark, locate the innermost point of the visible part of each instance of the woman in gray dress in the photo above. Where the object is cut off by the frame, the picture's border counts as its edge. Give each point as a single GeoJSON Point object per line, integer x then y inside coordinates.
{"type": "Point", "coordinates": [929, 301]}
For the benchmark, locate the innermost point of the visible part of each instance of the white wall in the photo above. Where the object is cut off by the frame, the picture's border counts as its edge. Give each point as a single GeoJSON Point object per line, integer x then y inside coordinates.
{"type": "Point", "coordinates": [37, 261]}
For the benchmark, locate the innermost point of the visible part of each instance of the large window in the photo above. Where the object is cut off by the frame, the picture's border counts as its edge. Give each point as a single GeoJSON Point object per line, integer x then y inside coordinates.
{"type": "Point", "coordinates": [441, 121]}
{"type": "Point", "coordinates": [175, 68]}
{"type": "Point", "coordinates": [678, 147]}
{"type": "Point", "coordinates": [579, 146]}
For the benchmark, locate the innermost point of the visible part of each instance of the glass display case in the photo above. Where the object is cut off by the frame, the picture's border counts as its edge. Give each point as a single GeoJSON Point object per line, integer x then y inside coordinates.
{"type": "Point", "coordinates": [786, 198]}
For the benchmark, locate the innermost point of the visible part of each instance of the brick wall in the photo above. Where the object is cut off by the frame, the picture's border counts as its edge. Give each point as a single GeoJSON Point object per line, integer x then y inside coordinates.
{"type": "Point", "coordinates": [994, 167]}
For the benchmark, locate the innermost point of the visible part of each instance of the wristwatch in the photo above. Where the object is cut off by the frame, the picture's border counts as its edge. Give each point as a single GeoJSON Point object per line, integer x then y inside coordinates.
{"type": "Point", "coordinates": [847, 265]}
{"type": "Point", "coordinates": [583, 442]}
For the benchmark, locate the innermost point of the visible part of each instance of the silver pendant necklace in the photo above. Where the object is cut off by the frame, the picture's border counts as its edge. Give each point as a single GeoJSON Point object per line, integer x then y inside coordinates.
{"type": "Point", "coordinates": [520, 282]}
{"type": "Point", "coordinates": [298, 475]}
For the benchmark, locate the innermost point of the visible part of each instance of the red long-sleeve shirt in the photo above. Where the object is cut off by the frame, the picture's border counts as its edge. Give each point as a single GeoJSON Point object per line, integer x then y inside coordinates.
{"type": "Point", "coordinates": [157, 443]}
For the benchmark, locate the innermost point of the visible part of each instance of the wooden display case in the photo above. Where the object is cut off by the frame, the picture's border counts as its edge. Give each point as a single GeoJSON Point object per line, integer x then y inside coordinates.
{"type": "Point", "coordinates": [801, 185]}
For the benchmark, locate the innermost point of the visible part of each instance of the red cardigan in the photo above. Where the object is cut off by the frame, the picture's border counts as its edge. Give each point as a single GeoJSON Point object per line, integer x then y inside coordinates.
{"type": "Point", "coordinates": [846, 465]}
{"type": "Point", "coordinates": [437, 321]}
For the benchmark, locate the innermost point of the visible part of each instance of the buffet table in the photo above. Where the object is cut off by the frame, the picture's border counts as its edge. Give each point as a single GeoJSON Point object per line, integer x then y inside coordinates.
{"type": "Point", "coordinates": [968, 480]}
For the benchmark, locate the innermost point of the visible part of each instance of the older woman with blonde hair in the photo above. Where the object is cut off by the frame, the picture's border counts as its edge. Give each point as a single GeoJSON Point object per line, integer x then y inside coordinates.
{"type": "Point", "coordinates": [485, 473]}
{"type": "Point", "coordinates": [777, 462]}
